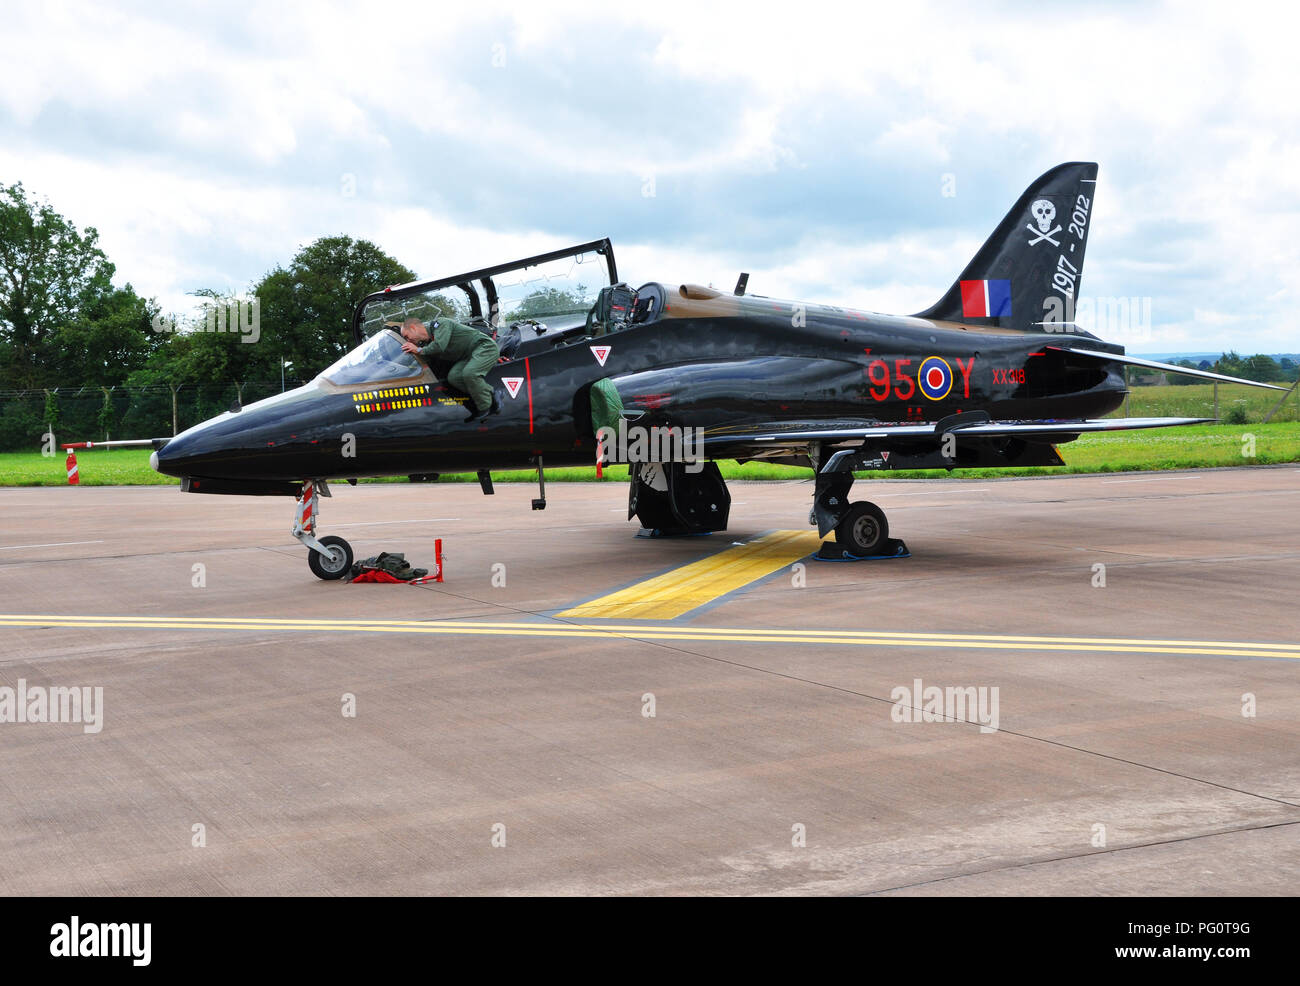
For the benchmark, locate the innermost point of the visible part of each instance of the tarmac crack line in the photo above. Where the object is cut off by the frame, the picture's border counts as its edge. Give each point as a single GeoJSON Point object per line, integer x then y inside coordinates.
{"type": "Point", "coordinates": [1082, 855]}
{"type": "Point", "coordinates": [1010, 732]}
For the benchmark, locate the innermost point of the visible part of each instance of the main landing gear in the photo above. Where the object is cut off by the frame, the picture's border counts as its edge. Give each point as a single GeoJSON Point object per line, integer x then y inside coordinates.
{"type": "Point", "coordinates": [864, 531]}
{"type": "Point", "coordinates": [328, 557]}
{"type": "Point", "coordinates": [861, 528]}
{"type": "Point", "coordinates": [672, 500]}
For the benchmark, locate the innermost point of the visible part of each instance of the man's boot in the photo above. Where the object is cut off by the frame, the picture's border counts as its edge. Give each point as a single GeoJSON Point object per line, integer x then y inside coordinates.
{"type": "Point", "coordinates": [494, 408]}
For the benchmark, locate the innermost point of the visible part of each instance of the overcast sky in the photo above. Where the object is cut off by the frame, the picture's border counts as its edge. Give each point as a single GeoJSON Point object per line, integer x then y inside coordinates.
{"type": "Point", "coordinates": [807, 145]}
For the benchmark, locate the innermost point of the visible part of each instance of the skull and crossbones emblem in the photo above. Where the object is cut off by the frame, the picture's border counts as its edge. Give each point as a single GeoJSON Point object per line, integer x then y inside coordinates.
{"type": "Point", "coordinates": [1043, 212]}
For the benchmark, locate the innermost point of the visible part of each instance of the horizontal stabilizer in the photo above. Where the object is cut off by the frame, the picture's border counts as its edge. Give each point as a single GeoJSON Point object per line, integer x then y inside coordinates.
{"type": "Point", "coordinates": [1151, 364]}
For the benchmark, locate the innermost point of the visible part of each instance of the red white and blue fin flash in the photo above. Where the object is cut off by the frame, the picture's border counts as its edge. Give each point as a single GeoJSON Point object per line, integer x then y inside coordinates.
{"type": "Point", "coordinates": [985, 299]}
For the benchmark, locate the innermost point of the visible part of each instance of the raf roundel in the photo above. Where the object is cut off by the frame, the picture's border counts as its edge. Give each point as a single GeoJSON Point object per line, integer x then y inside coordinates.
{"type": "Point", "coordinates": [934, 378]}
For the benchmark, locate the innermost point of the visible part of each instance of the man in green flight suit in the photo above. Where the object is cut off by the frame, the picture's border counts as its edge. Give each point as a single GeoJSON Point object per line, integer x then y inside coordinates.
{"type": "Point", "coordinates": [472, 352]}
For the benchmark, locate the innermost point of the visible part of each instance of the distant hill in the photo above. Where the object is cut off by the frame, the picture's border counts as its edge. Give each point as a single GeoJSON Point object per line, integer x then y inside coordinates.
{"type": "Point", "coordinates": [1197, 357]}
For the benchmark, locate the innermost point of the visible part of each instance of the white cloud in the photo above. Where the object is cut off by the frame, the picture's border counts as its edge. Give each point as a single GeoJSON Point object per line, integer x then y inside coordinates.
{"type": "Point", "coordinates": [208, 144]}
{"type": "Point", "coordinates": [923, 140]}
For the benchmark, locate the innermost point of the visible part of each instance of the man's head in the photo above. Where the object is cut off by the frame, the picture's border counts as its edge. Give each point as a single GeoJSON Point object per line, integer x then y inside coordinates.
{"type": "Point", "coordinates": [413, 330]}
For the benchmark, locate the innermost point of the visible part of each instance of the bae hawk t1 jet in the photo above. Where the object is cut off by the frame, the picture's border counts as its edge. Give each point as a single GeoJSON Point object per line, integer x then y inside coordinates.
{"type": "Point", "coordinates": [993, 374]}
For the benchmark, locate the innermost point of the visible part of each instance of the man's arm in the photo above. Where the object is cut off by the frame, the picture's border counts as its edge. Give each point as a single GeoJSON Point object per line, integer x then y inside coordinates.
{"type": "Point", "coordinates": [439, 336]}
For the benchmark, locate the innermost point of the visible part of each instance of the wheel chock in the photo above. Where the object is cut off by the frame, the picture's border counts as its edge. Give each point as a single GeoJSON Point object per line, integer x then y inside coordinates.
{"type": "Point", "coordinates": [832, 551]}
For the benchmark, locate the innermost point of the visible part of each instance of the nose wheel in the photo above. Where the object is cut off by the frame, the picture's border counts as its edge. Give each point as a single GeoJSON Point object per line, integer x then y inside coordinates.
{"type": "Point", "coordinates": [333, 562]}
{"type": "Point", "coordinates": [329, 557]}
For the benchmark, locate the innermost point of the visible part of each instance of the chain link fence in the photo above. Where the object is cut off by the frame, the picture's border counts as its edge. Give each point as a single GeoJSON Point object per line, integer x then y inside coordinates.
{"type": "Point", "coordinates": [99, 414]}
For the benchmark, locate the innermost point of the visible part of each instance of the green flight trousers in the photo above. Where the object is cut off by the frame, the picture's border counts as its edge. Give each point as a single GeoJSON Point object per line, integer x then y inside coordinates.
{"type": "Point", "coordinates": [470, 374]}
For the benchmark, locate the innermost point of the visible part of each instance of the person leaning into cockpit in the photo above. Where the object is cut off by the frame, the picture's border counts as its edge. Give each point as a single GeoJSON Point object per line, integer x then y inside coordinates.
{"type": "Point", "coordinates": [471, 352]}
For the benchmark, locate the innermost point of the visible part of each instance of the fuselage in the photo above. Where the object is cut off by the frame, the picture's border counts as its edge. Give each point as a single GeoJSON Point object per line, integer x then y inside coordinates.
{"type": "Point", "coordinates": [708, 360]}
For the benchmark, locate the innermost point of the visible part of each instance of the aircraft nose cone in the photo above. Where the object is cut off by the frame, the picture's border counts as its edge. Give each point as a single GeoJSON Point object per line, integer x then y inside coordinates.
{"type": "Point", "coordinates": [235, 445]}
{"type": "Point", "coordinates": [178, 456]}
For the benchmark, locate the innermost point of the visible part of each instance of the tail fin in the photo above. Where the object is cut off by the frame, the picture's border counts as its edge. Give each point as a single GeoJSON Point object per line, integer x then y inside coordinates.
{"type": "Point", "coordinates": [1029, 271]}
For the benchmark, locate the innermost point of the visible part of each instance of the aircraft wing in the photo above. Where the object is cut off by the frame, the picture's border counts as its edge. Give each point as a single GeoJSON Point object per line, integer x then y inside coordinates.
{"type": "Point", "coordinates": [776, 435]}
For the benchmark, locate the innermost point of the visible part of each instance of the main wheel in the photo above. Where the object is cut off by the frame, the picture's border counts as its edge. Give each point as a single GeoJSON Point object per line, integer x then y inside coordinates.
{"type": "Point", "coordinates": [863, 530]}
{"type": "Point", "coordinates": [336, 565]}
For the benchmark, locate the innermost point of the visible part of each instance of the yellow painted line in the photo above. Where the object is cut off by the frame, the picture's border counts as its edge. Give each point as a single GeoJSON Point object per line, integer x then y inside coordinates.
{"type": "Point", "coordinates": [629, 628]}
{"type": "Point", "coordinates": [668, 596]}
{"type": "Point", "coordinates": [669, 634]}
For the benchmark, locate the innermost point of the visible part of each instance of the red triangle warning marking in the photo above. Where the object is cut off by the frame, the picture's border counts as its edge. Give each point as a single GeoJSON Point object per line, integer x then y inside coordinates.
{"type": "Point", "coordinates": [513, 384]}
{"type": "Point", "coordinates": [601, 353]}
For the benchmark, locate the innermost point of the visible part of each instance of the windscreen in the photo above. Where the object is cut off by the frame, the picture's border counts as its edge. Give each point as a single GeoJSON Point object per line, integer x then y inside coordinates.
{"type": "Point", "coordinates": [378, 358]}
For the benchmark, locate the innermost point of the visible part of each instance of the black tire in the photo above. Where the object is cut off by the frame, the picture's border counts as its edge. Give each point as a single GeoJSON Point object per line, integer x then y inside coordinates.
{"type": "Point", "coordinates": [863, 531]}
{"type": "Point", "coordinates": [334, 567]}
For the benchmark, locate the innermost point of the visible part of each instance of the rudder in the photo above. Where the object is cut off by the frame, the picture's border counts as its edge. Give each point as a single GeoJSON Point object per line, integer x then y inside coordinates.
{"type": "Point", "coordinates": [1029, 271]}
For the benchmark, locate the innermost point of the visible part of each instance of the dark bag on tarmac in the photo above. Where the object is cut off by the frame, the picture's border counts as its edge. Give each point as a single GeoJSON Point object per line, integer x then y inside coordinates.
{"type": "Point", "coordinates": [390, 563]}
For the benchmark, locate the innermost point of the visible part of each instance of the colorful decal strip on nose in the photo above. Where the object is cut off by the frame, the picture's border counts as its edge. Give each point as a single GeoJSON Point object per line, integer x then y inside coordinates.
{"type": "Point", "coordinates": [370, 401]}
{"type": "Point", "coordinates": [934, 376]}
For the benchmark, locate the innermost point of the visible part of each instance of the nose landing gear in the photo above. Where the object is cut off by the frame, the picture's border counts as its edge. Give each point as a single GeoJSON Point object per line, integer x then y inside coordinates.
{"type": "Point", "coordinates": [329, 557]}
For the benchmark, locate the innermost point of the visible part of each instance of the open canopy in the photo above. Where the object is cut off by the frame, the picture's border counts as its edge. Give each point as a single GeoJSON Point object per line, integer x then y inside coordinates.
{"type": "Point", "coordinates": [555, 288]}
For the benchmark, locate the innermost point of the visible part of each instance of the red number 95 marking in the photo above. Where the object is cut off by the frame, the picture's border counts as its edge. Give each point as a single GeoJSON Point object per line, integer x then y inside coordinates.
{"type": "Point", "coordinates": [897, 383]}
{"type": "Point", "coordinates": [883, 383]}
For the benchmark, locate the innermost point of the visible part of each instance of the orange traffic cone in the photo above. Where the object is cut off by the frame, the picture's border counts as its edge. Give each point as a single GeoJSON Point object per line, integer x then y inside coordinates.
{"type": "Point", "coordinates": [73, 478]}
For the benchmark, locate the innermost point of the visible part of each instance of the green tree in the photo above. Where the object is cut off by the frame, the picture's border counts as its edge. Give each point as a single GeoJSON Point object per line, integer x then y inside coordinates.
{"type": "Point", "coordinates": [150, 413]}
{"type": "Point", "coordinates": [51, 276]}
{"type": "Point", "coordinates": [549, 302]}
{"type": "Point", "coordinates": [51, 413]}
{"type": "Point", "coordinates": [1181, 380]}
{"type": "Point", "coordinates": [1230, 363]}
{"type": "Point", "coordinates": [1262, 368]}
{"type": "Point", "coordinates": [307, 308]}
{"type": "Point", "coordinates": [107, 417]}
{"type": "Point", "coordinates": [216, 358]}
{"type": "Point", "coordinates": [105, 342]}
{"type": "Point", "coordinates": [304, 316]}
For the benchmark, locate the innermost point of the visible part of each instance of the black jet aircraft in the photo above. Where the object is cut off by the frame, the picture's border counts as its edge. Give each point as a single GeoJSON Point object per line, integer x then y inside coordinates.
{"type": "Point", "coordinates": [994, 374]}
